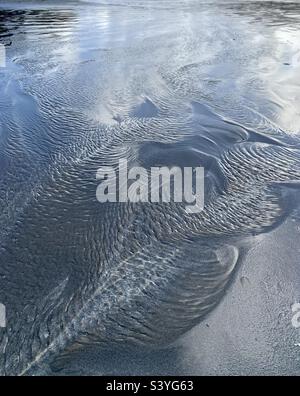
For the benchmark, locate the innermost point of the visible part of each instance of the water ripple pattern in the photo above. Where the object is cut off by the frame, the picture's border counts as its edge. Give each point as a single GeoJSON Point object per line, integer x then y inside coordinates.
{"type": "Point", "coordinates": [90, 82]}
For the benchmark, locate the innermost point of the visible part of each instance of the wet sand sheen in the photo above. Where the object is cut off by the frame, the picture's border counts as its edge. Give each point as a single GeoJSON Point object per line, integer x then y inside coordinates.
{"type": "Point", "coordinates": [88, 84]}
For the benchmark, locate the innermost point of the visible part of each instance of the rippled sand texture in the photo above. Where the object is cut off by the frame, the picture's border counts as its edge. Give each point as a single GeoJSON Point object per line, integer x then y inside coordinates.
{"type": "Point", "coordinates": [186, 83]}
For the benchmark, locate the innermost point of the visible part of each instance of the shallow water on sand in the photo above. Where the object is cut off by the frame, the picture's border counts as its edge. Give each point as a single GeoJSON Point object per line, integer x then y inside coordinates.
{"type": "Point", "coordinates": [176, 83]}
